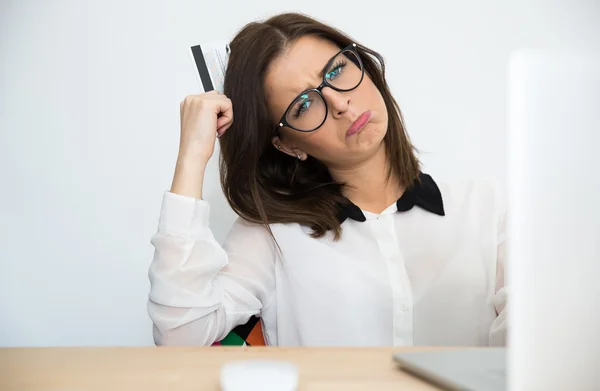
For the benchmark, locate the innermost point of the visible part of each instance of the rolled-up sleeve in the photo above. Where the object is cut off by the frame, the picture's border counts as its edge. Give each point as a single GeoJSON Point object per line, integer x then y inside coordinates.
{"type": "Point", "coordinates": [199, 290]}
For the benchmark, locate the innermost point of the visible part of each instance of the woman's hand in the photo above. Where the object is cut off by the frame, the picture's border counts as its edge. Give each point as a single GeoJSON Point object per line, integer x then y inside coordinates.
{"type": "Point", "coordinates": [203, 118]}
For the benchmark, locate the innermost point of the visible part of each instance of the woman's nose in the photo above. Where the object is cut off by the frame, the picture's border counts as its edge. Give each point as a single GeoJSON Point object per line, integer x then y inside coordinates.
{"type": "Point", "coordinates": [338, 102]}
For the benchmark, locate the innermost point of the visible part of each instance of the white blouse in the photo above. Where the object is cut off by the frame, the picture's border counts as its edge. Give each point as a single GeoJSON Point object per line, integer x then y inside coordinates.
{"type": "Point", "coordinates": [408, 277]}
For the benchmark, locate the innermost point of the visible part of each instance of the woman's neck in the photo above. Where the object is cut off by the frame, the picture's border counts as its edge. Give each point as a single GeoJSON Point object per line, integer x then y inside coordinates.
{"type": "Point", "coordinates": [367, 184]}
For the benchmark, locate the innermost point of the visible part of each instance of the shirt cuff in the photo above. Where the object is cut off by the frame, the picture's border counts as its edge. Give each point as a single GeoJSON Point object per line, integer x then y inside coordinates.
{"type": "Point", "coordinates": [183, 216]}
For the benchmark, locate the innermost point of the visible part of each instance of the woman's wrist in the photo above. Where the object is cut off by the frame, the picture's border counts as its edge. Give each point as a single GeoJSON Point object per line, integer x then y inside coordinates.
{"type": "Point", "coordinates": [189, 177]}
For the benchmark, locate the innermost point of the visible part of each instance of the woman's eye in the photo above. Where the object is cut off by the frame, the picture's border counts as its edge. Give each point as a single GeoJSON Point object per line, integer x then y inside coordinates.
{"type": "Point", "coordinates": [335, 72]}
{"type": "Point", "coordinates": [303, 108]}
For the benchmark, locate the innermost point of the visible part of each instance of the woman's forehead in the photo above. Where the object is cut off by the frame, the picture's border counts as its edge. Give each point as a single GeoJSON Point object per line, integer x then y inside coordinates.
{"type": "Point", "coordinates": [298, 69]}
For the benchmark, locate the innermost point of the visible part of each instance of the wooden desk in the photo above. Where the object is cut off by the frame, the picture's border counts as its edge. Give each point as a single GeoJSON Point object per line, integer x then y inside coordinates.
{"type": "Point", "coordinates": [183, 369]}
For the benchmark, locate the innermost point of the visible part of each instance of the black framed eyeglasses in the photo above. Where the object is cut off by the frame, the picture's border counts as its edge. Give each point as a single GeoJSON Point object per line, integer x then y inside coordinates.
{"type": "Point", "coordinates": [308, 112]}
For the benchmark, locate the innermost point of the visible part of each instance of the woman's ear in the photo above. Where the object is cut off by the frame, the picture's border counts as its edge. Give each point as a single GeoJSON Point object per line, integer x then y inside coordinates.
{"type": "Point", "coordinates": [288, 149]}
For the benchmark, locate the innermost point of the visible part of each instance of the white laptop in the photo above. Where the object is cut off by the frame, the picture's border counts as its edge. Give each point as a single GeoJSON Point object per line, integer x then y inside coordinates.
{"type": "Point", "coordinates": [554, 230]}
{"type": "Point", "coordinates": [458, 370]}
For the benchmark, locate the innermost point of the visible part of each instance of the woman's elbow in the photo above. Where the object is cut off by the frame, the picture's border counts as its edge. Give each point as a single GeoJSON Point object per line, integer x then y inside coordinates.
{"type": "Point", "coordinates": [181, 337]}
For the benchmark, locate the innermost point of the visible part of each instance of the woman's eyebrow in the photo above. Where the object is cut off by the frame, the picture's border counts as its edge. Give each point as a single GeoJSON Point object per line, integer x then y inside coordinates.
{"type": "Point", "coordinates": [322, 72]}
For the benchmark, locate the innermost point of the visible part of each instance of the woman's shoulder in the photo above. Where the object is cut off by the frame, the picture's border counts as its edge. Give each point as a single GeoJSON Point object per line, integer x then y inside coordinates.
{"type": "Point", "coordinates": [247, 234]}
{"type": "Point", "coordinates": [478, 192]}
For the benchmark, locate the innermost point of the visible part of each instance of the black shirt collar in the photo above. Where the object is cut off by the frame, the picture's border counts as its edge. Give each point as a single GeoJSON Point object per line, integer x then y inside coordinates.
{"type": "Point", "coordinates": [424, 193]}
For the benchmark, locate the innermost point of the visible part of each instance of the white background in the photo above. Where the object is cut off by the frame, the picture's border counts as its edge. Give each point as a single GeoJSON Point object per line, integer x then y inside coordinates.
{"type": "Point", "coordinates": [89, 127]}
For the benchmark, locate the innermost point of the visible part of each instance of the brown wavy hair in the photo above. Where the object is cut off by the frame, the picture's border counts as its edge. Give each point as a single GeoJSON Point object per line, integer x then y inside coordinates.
{"type": "Point", "coordinates": [265, 186]}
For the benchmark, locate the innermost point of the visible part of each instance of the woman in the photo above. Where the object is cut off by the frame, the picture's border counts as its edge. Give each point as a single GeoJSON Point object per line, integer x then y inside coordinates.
{"type": "Point", "coordinates": [341, 239]}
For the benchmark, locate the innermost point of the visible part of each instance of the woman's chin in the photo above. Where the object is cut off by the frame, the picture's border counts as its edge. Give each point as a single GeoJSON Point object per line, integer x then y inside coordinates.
{"type": "Point", "coordinates": [370, 137]}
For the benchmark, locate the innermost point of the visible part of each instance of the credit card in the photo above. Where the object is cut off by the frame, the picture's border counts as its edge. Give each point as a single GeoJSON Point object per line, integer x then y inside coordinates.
{"type": "Point", "coordinates": [210, 60]}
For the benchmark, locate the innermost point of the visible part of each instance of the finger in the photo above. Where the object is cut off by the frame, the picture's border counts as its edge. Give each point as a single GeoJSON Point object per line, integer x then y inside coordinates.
{"type": "Point", "coordinates": [223, 123]}
{"type": "Point", "coordinates": [215, 97]}
{"type": "Point", "coordinates": [224, 109]}
{"type": "Point", "coordinates": [222, 120]}
{"type": "Point", "coordinates": [221, 130]}
{"type": "Point", "coordinates": [211, 92]}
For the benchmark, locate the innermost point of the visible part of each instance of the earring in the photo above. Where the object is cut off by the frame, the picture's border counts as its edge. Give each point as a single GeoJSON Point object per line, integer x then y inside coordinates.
{"type": "Point", "coordinates": [279, 147]}
{"type": "Point", "coordinates": [299, 157]}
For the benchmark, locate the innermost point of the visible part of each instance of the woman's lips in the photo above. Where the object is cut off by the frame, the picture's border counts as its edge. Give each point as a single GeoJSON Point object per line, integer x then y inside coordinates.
{"type": "Point", "coordinates": [359, 124]}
